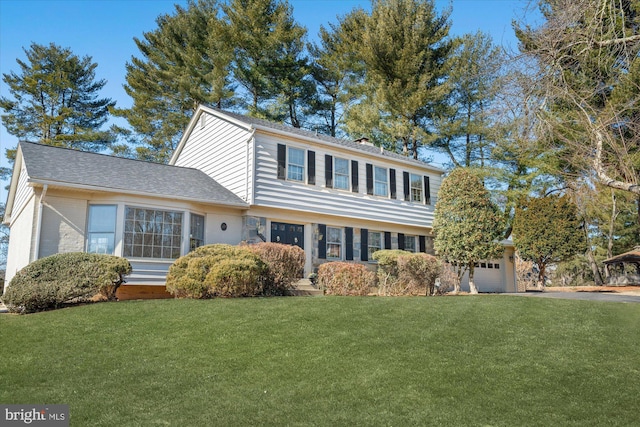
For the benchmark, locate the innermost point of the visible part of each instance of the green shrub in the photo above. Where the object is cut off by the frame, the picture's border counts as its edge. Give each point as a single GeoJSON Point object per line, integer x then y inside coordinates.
{"type": "Point", "coordinates": [406, 273]}
{"type": "Point", "coordinates": [418, 273]}
{"type": "Point", "coordinates": [345, 278]}
{"type": "Point", "coordinates": [217, 271]}
{"type": "Point", "coordinates": [285, 263]}
{"type": "Point", "coordinates": [63, 278]}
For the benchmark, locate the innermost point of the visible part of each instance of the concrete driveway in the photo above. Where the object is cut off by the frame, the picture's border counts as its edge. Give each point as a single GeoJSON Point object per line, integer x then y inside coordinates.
{"type": "Point", "coordinates": [587, 296]}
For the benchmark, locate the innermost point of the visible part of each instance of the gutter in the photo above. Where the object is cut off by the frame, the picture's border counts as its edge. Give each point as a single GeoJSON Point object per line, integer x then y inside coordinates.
{"type": "Point", "coordinates": [39, 223]}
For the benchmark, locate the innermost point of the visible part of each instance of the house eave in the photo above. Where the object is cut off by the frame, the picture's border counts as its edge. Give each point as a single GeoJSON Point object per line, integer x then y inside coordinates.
{"type": "Point", "coordinates": [67, 185]}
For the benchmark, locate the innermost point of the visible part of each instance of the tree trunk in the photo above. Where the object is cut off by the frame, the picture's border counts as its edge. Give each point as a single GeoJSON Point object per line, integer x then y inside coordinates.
{"type": "Point", "coordinates": [543, 269]}
{"type": "Point", "coordinates": [612, 223]}
{"type": "Point", "coordinates": [597, 276]}
{"type": "Point", "coordinates": [472, 286]}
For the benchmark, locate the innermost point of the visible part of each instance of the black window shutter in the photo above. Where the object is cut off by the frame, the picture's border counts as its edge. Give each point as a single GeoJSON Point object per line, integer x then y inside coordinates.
{"type": "Point", "coordinates": [348, 241]}
{"type": "Point", "coordinates": [354, 176]}
{"type": "Point", "coordinates": [364, 244]}
{"type": "Point", "coordinates": [369, 179]}
{"type": "Point", "coordinates": [427, 191]}
{"type": "Point", "coordinates": [392, 182]}
{"type": "Point", "coordinates": [282, 161]}
{"type": "Point", "coordinates": [423, 243]}
{"type": "Point", "coordinates": [401, 241]}
{"type": "Point", "coordinates": [407, 190]}
{"type": "Point", "coordinates": [387, 240]}
{"type": "Point", "coordinates": [311, 167]}
{"type": "Point", "coordinates": [328, 171]}
{"type": "Point", "coordinates": [322, 239]}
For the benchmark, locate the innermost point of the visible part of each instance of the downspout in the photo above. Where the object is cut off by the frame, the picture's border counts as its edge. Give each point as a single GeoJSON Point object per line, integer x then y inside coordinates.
{"type": "Point", "coordinates": [39, 223]}
{"type": "Point", "coordinates": [248, 167]}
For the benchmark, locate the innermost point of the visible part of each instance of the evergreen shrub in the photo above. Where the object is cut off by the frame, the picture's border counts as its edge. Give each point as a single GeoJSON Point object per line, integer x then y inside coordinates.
{"type": "Point", "coordinates": [217, 271]}
{"type": "Point", "coordinates": [406, 273]}
{"type": "Point", "coordinates": [60, 279]}
{"type": "Point", "coordinates": [345, 278]}
{"type": "Point", "coordinates": [285, 263]}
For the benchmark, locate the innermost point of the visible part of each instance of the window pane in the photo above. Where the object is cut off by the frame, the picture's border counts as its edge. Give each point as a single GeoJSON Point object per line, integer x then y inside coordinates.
{"type": "Point", "coordinates": [341, 174]}
{"type": "Point", "coordinates": [410, 243]}
{"type": "Point", "coordinates": [196, 233]}
{"type": "Point", "coordinates": [416, 188]}
{"type": "Point", "coordinates": [154, 233]}
{"type": "Point", "coordinates": [334, 243]}
{"type": "Point", "coordinates": [375, 242]}
{"type": "Point", "coordinates": [101, 229]}
{"type": "Point", "coordinates": [380, 182]}
{"type": "Point", "coordinates": [295, 166]}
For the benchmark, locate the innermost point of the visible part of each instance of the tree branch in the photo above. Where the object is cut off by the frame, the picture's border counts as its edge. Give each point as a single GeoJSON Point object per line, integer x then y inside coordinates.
{"type": "Point", "coordinates": [602, 174]}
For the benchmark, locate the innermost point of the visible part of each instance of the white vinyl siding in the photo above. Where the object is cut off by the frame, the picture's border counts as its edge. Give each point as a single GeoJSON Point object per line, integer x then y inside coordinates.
{"type": "Point", "coordinates": [295, 196]}
{"type": "Point", "coordinates": [221, 150]}
{"type": "Point", "coordinates": [21, 239]}
{"type": "Point", "coordinates": [23, 192]}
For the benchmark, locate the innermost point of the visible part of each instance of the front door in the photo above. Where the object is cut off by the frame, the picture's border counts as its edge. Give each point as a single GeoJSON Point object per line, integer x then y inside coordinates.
{"type": "Point", "coordinates": [289, 234]}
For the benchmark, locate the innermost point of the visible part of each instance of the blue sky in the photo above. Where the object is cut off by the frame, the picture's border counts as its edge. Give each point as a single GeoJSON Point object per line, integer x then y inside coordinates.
{"type": "Point", "coordinates": [104, 30]}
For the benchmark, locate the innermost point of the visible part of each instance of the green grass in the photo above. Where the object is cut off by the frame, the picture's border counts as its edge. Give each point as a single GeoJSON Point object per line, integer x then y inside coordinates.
{"type": "Point", "coordinates": [454, 361]}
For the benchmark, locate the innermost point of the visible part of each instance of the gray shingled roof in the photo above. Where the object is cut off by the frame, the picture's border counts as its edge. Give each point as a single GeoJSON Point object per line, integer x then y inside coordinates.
{"type": "Point", "coordinates": [326, 138]}
{"type": "Point", "coordinates": [64, 166]}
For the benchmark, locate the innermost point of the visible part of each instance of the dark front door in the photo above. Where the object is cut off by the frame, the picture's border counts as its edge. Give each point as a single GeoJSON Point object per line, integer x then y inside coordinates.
{"type": "Point", "coordinates": [289, 234]}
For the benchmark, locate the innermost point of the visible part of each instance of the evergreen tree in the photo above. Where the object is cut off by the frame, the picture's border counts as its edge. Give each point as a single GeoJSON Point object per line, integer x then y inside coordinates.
{"type": "Point", "coordinates": [467, 225]}
{"type": "Point", "coordinates": [335, 69]}
{"type": "Point", "coordinates": [184, 62]}
{"type": "Point", "coordinates": [55, 100]}
{"type": "Point", "coordinates": [269, 61]}
{"type": "Point", "coordinates": [547, 230]}
{"type": "Point", "coordinates": [403, 46]}
{"type": "Point", "coordinates": [463, 122]}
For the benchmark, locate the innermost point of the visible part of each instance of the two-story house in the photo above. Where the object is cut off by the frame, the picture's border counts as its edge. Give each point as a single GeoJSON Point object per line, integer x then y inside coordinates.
{"type": "Point", "coordinates": [231, 179]}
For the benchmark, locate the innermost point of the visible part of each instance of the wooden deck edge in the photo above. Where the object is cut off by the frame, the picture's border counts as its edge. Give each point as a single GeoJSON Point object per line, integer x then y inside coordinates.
{"type": "Point", "coordinates": [129, 292]}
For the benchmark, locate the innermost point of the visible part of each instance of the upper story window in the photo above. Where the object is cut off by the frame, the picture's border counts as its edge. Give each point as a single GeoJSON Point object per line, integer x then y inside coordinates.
{"type": "Point", "coordinates": [381, 185]}
{"type": "Point", "coordinates": [334, 243]}
{"type": "Point", "coordinates": [196, 231]}
{"type": "Point", "coordinates": [375, 242]}
{"type": "Point", "coordinates": [101, 229]}
{"type": "Point", "coordinates": [295, 164]}
{"type": "Point", "coordinates": [152, 233]}
{"type": "Point", "coordinates": [341, 174]}
{"type": "Point", "coordinates": [416, 188]}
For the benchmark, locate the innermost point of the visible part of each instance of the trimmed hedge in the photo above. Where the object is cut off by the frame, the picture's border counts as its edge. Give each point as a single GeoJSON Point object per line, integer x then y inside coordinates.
{"type": "Point", "coordinates": [217, 271]}
{"type": "Point", "coordinates": [406, 273]}
{"type": "Point", "coordinates": [60, 279]}
{"type": "Point", "coordinates": [285, 263]}
{"type": "Point", "coordinates": [345, 278]}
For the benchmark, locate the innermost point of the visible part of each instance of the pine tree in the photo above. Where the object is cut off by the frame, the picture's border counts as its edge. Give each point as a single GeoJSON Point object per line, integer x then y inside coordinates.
{"type": "Point", "coordinates": [55, 100]}
{"type": "Point", "coordinates": [467, 225]}
{"type": "Point", "coordinates": [463, 123]}
{"type": "Point", "coordinates": [184, 62]}
{"type": "Point", "coordinates": [403, 47]}
{"type": "Point", "coordinates": [269, 61]}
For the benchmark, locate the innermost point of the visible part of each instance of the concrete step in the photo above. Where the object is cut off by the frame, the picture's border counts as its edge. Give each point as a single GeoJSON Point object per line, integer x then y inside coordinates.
{"type": "Point", "coordinates": [304, 288]}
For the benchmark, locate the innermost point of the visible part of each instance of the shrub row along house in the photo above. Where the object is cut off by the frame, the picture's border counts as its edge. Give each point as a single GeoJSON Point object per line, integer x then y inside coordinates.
{"type": "Point", "coordinates": [231, 179]}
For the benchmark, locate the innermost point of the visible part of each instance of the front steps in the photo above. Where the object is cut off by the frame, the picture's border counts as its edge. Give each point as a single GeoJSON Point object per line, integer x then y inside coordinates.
{"type": "Point", "coordinates": [304, 288]}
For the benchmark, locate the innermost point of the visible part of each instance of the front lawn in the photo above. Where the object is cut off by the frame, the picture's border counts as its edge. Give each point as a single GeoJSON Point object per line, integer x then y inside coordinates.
{"type": "Point", "coordinates": [454, 361]}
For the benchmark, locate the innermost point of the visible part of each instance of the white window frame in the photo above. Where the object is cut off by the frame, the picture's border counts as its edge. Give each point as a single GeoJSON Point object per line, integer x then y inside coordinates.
{"type": "Point", "coordinates": [346, 177]}
{"type": "Point", "coordinates": [196, 241]}
{"type": "Point", "coordinates": [332, 243]}
{"type": "Point", "coordinates": [370, 246]}
{"type": "Point", "coordinates": [378, 183]}
{"type": "Point", "coordinates": [300, 168]}
{"type": "Point", "coordinates": [104, 232]}
{"type": "Point", "coordinates": [416, 191]}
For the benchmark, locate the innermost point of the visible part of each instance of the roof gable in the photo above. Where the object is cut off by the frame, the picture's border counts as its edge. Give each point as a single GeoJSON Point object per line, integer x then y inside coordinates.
{"type": "Point", "coordinates": [265, 125]}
